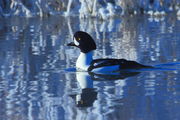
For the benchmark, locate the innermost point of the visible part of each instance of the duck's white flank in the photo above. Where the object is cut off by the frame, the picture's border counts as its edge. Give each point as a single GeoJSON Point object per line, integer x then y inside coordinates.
{"type": "Point", "coordinates": [106, 69]}
{"type": "Point", "coordinates": [84, 60]}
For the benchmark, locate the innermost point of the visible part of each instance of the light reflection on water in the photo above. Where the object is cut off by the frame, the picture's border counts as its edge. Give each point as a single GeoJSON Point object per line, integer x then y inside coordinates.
{"type": "Point", "coordinates": [38, 81]}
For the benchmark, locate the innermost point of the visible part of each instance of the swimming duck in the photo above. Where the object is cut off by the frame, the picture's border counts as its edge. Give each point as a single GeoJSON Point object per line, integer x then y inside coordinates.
{"type": "Point", "coordinates": [85, 61]}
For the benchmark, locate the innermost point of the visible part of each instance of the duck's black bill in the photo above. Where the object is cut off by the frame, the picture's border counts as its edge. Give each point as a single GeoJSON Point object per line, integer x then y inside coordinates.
{"type": "Point", "coordinates": [71, 44]}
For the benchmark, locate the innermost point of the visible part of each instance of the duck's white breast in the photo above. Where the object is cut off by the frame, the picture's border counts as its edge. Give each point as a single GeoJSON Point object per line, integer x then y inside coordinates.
{"type": "Point", "coordinates": [84, 60]}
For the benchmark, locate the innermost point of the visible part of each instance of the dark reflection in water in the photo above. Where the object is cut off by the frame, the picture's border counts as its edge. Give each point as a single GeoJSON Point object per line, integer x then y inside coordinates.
{"type": "Point", "coordinates": [88, 94]}
{"type": "Point", "coordinates": [37, 82]}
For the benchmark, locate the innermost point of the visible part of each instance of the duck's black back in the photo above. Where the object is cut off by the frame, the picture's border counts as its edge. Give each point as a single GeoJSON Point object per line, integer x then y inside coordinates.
{"type": "Point", "coordinates": [123, 64]}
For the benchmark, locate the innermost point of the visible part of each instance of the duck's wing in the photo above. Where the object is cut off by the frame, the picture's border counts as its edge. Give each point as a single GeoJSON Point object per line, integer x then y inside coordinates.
{"type": "Point", "coordinates": [122, 63]}
{"type": "Point", "coordinates": [100, 63]}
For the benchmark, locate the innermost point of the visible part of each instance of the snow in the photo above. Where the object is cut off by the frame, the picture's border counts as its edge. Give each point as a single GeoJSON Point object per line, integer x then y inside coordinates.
{"type": "Point", "coordinates": [103, 9]}
{"type": "Point", "coordinates": [178, 13]}
{"type": "Point", "coordinates": [67, 13]}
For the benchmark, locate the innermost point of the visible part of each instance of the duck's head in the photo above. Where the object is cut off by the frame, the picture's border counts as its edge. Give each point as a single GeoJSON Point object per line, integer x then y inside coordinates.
{"type": "Point", "coordinates": [83, 41]}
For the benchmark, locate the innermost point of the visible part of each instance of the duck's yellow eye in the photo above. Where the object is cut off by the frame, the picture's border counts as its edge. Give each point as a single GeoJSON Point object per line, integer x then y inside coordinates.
{"type": "Point", "coordinates": [79, 38]}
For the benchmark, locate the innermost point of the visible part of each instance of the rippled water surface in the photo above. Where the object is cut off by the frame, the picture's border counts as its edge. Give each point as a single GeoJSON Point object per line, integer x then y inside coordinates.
{"type": "Point", "coordinates": [38, 80]}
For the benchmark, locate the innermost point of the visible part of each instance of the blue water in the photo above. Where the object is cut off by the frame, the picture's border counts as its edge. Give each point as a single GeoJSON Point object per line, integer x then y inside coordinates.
{"type": "Point", "coordinates": [38, 80]}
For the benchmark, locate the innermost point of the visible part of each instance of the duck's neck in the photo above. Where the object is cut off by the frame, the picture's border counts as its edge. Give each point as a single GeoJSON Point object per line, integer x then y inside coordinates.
{"type": "Point", "coordinates": [84, 60]}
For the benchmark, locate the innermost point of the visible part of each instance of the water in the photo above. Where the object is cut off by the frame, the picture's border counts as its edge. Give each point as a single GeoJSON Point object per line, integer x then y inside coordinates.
{"type": "Point", "coordinates": [38, 79]}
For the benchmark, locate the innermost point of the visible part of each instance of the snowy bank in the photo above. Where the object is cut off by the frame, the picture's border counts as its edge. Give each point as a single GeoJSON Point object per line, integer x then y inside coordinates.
{"type": "Point", "coordinates": [103, 9]}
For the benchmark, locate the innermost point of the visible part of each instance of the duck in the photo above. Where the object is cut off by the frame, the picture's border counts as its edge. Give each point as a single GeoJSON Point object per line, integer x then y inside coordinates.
{"type": "Point", "coordinates": [85, 62]}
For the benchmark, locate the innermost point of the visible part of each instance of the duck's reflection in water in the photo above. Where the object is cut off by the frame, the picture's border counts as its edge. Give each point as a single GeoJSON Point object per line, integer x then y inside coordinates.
{"type": "Point", "coordinates": [89, 94]}
{"type": "Point", "coordinates": [112, 76]}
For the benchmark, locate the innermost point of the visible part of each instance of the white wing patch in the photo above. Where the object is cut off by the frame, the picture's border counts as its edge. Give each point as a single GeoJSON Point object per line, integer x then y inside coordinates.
{"type": "Point", "coordinates": [106, 69]}
{"type": "Point", "coordinates": [98, 63]}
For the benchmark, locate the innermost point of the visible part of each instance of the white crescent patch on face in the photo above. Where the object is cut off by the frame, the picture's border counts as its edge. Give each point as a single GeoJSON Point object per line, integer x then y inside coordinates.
{"type": "Point", "coordinates": [75, 42]}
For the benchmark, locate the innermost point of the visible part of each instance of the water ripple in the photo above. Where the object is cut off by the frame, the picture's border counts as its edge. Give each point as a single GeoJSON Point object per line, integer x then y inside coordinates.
{"type": "Point", "coordinates": [38, 79]}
